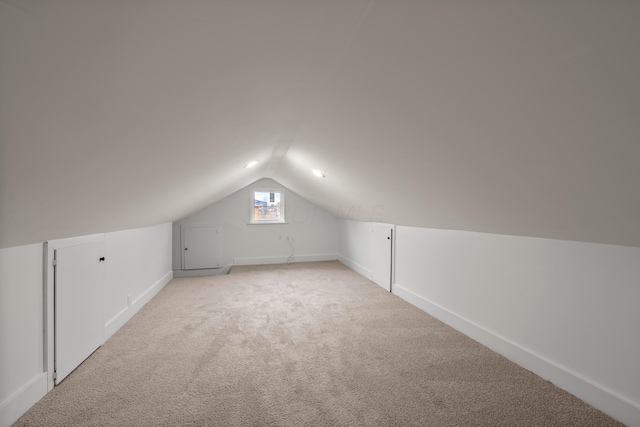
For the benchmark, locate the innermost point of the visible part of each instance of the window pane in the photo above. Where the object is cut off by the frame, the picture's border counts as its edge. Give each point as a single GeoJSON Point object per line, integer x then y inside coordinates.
{"type": "Point", "coordinates": [266, 206]}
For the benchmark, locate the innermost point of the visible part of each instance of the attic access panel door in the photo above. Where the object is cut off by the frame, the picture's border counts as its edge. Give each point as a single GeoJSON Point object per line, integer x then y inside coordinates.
{"type": "Point", "coordinates": [79, 318]}
{"type": "Point", "coordinates": [200, 246]}
{"type": "Point", "coordinates": [382, 244]}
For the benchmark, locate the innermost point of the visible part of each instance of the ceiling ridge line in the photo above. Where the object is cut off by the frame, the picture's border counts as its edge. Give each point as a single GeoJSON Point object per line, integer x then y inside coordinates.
{"type": "Point", "coordinates": [278, 153]}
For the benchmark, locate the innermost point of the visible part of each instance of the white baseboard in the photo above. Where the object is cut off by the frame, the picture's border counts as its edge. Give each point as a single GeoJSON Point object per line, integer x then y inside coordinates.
{"type": "Point", "coordinates": [596, 395]}
{"type": "Point", "coordinates": [284, 259]}
{"type": "Point", "coordinates": [116, 322]}
{"type": "Point", "coordinates": [20, 402]}
{"type": "Point", "coordinates": [202, 272]}
{"type": "Point", "coordinates": [355, 266]}
{"type": "Point", "coordinates": [316, 257]}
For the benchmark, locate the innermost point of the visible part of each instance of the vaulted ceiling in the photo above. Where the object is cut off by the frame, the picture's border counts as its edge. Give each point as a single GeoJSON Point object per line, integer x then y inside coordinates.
{"type": "Point", "coordinates": [516, 117]}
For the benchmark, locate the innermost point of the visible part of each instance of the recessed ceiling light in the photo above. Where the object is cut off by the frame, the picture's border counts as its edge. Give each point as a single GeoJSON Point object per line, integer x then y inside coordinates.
{"type": "Point", "coordinates": [317, 173]}
{"type": "Point", "coordinates": [251, 164]}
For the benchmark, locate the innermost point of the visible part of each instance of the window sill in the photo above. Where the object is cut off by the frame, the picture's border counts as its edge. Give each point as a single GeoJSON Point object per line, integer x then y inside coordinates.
{"type": "Point", "coordinates": [267, 223]}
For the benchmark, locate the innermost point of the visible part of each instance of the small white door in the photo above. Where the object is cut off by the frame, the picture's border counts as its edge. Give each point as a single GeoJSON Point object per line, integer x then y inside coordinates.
{"type": "Point", "coordinates": [382, 255]}
{"type": "Point", "coordinates": [200, 246]}
{"type": "Point", "coordinates": [79, 317]}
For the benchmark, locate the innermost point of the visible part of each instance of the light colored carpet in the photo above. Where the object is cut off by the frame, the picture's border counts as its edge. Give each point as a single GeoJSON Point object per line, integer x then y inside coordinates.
{"type": "Point", "coordinates": [305, 344]}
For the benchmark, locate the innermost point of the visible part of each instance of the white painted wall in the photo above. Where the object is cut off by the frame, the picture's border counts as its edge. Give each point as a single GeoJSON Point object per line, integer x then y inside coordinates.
{"type": "Point", "coordinates": [356, 245]}
{"type": "Point", "coordinates": [138, 263]}
{"type": "Point", "coordinates": [22, 378]}
{"type": "Point", "coordinates": [314, 230]}
{"type": "Point", "coordinates": [565, 310]}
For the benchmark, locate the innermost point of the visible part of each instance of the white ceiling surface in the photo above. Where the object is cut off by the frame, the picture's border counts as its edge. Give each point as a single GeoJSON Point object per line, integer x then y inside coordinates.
{"type": "Point", "coordinates": [517, 118]}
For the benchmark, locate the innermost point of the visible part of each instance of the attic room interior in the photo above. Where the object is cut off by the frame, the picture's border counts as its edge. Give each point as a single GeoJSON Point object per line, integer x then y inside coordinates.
{"type": "Point", "coordinates": [491, 146]}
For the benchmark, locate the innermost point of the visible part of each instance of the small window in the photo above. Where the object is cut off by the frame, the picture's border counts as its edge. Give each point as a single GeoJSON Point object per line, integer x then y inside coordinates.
{"type": "Point", "coordinates": [267, 206]}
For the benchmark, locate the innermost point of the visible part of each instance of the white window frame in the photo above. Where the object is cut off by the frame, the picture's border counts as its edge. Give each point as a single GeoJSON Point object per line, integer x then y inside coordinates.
{"type": "Point", "coordinates": [252, 195]}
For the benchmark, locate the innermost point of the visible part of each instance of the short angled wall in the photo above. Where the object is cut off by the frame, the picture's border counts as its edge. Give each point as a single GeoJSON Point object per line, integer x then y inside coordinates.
{"type": "Point", "coordinates": [112, 325]}
{"type": "Point", "coordinates": [354, 246]}
{"type": "Point", "coordinates": [360, 269]}
{"type": "Point", "coordinates": [564, 310]}
{"type": "Point", "coordinates": [23, 399]}
{"type": "Point", "coordinates": [137, 267]}
{"type": "Point", "coordinates": [23, 380]}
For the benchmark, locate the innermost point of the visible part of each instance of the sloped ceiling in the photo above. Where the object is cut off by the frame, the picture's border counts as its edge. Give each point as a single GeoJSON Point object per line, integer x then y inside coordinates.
{"type": "Point", "coordinates": [517, 118]}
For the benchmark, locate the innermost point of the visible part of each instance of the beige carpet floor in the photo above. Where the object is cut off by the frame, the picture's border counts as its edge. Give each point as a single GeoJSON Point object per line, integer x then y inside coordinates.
{"type": "Point", "coordinates": [305, 344]}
